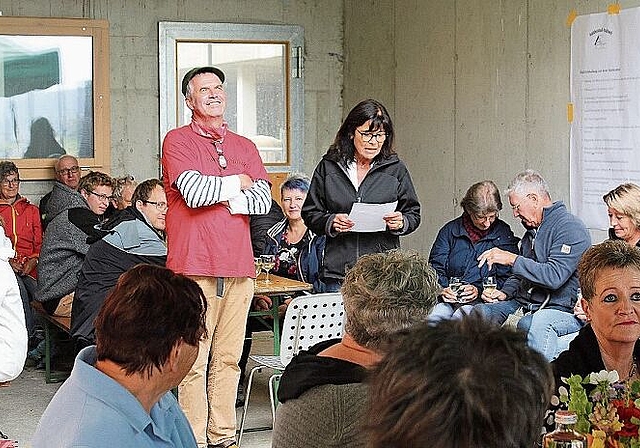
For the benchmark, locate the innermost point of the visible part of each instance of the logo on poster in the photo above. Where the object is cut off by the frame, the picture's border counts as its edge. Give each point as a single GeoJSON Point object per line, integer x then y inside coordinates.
{"type": "Point", "coordinates": [600, 37]}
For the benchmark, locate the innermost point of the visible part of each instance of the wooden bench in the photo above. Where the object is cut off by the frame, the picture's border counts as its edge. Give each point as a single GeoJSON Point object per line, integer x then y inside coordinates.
{"type": "Point", "coordinates": [62, 323]}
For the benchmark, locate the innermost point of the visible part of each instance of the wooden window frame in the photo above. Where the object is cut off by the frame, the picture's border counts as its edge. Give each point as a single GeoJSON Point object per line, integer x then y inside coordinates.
{"type": "Point", "coordinates": [42, 168]}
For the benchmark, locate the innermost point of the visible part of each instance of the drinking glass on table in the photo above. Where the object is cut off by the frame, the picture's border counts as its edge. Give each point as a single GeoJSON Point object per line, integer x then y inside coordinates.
{"type": "Point", "coordinates": [489, 285]}
{"type": "Point", "coordinates": [268, 263]}
{"type": "Point", "coordinates": [257, 262]}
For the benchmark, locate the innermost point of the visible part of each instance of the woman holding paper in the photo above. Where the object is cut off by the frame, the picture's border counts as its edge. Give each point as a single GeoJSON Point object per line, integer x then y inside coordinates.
{"type": "Point", "coordinates": [360, 166]}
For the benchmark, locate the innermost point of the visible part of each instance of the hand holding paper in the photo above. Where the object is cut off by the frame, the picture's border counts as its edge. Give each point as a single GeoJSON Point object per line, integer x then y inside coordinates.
{"type": "Point", "coordinates": [342, 223]}
{"type": "Point", "coordinates": [371, 217]}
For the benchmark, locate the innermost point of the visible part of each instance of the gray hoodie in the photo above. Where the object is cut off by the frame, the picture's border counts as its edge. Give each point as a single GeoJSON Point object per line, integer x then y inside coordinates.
{"type": "Point", "coordinates": [65, 243]}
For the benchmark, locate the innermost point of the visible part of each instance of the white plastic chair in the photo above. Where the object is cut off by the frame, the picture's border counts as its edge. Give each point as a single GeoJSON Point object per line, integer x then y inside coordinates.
{"type": "Point", "coordinates": [309, 320]}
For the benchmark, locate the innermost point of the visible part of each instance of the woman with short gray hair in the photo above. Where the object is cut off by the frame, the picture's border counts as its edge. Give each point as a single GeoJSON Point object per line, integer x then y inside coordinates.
{"type": "Point", "coordinates": [458, 244]}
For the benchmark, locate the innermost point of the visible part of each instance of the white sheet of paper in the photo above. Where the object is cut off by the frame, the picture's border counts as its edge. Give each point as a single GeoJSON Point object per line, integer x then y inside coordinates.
{"type": "Point", "coordinates": [368, 217]}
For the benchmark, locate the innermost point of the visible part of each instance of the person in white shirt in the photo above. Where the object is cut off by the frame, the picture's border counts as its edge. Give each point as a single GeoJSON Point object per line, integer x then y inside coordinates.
{"type": "Point", "coordinates": [13, 332]}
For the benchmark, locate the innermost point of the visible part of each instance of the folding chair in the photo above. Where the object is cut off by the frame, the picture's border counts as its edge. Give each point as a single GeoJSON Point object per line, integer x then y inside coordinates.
{"type": "Point", "coordinates": [309, 319]}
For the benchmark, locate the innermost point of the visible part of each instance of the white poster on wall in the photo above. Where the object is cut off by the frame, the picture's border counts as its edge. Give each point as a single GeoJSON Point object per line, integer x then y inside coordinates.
{"type": "Point", "coordinates": [605, 94]}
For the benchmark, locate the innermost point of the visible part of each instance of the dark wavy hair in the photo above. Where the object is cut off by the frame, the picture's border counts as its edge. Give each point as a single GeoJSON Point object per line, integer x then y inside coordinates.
{"type": "Point", "coordinates": [343, 148]}
{"type": "Point", "coordinates": [146, 314]}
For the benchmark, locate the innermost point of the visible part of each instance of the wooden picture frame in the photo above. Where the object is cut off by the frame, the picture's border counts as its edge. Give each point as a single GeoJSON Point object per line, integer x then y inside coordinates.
{"type": "Point", "coordinates": [54, 93]}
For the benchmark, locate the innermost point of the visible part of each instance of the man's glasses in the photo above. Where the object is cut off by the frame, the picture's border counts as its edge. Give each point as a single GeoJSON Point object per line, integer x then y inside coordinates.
{"type": "Point", "coordinates": [161, 206]}
{"type": "Point", "coordinates": [516, 208]}
{"type": "Point", "coordinates": [68, 171]}
{"type": "Point", "coordinates": [9, 182]}
{"type": "Point", "coordinates": [368, 137]}
{"type": "Point", "coordinates": [221, 159]}
{"type": "Point", "coordinates": [102, 197]}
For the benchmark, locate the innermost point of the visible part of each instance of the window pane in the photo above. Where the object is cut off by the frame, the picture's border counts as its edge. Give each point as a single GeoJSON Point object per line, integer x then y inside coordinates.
{"type": "Point", "coordinates": [46, 96]}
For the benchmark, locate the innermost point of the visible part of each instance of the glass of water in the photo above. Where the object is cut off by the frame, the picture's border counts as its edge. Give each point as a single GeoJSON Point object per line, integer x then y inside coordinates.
{"type": "Point", "coordinates": [489, 285]}
{"type": "Point", "coordinates": [455, 284]}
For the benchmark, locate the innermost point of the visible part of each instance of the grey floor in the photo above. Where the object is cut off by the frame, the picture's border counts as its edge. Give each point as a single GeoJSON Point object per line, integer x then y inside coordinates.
{"type": "Point", "coordinates": [24, 401]}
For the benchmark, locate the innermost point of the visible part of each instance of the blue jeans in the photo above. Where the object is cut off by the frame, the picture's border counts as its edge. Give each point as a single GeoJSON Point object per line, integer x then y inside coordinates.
{"type": "Point", "coordinates": [543, 328]}
{"type": "Point", "coordinates": [444, 310]}
{"type": "Point", "coordinates": [546, 327]}
{"type": "Point", "coordinates": [27, 286]}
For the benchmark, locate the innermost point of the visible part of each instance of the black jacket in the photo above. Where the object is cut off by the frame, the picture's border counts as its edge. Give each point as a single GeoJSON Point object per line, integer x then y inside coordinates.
{"type": "Point", "coordinates": [331, 192]}
{"type": "Point", "coordinates": [127, 240]}
{"type": "Point", "coordinates": [583, 357]}
{"type": "Point", "coordinates": [308, 370]}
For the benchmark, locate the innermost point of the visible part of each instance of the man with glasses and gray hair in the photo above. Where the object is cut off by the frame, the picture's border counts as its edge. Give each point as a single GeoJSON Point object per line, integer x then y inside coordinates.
{"type": "Point", "coordinates": [543, 285]}
{"type": "Point", "coordinates": [67, 172]}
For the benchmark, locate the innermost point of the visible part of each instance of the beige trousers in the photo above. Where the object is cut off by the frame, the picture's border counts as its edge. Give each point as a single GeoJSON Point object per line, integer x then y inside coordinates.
{"type": "Point", "coordinates": [208, 392]}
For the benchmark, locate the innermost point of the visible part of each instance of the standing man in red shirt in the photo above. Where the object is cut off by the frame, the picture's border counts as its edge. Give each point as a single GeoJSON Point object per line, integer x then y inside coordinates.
{"type": "Point", "coordinates": [214, 179]}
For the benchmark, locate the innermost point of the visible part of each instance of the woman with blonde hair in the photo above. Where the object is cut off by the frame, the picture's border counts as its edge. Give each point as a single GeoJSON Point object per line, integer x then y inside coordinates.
{"type": "Point", "coordinates": [623, 207]}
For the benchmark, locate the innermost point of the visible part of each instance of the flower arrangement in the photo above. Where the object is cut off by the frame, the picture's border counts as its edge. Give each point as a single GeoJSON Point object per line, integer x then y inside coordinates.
{"type": "Point", "coordinates": [610, 414]}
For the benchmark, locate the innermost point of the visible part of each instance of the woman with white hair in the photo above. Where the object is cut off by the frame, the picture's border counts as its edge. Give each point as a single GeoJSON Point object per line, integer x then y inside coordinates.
{"type": "Point", "coordinates": [13, 332]}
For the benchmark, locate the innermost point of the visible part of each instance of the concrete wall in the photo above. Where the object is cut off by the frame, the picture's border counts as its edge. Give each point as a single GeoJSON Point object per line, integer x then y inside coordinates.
{"type": "Point", "coordinates": [134, 66]}
{"type": "Point", "coordinates": [478, 89]}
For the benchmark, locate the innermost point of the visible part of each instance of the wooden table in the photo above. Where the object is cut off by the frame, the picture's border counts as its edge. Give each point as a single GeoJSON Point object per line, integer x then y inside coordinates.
{"type": "Point", "coordinates": [275, 289]}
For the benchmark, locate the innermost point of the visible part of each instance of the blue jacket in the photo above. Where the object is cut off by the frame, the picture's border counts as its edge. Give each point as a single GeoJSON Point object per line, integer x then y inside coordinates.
{"type": "Point", "coordinates": [454, 255]}
{"type": "Point", "coordinates": [559, 242]}
{"type": "Point", "coordinates": [309, 258]}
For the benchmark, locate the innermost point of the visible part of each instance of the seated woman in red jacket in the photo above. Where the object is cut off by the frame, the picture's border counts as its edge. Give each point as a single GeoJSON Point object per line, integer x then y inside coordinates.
{"type": "Point", "coordinates": [23, 228]}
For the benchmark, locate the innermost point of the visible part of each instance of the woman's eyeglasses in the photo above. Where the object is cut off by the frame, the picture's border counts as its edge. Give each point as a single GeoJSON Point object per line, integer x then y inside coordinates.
{"type": "Point", "coordinates": [368, 137]}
